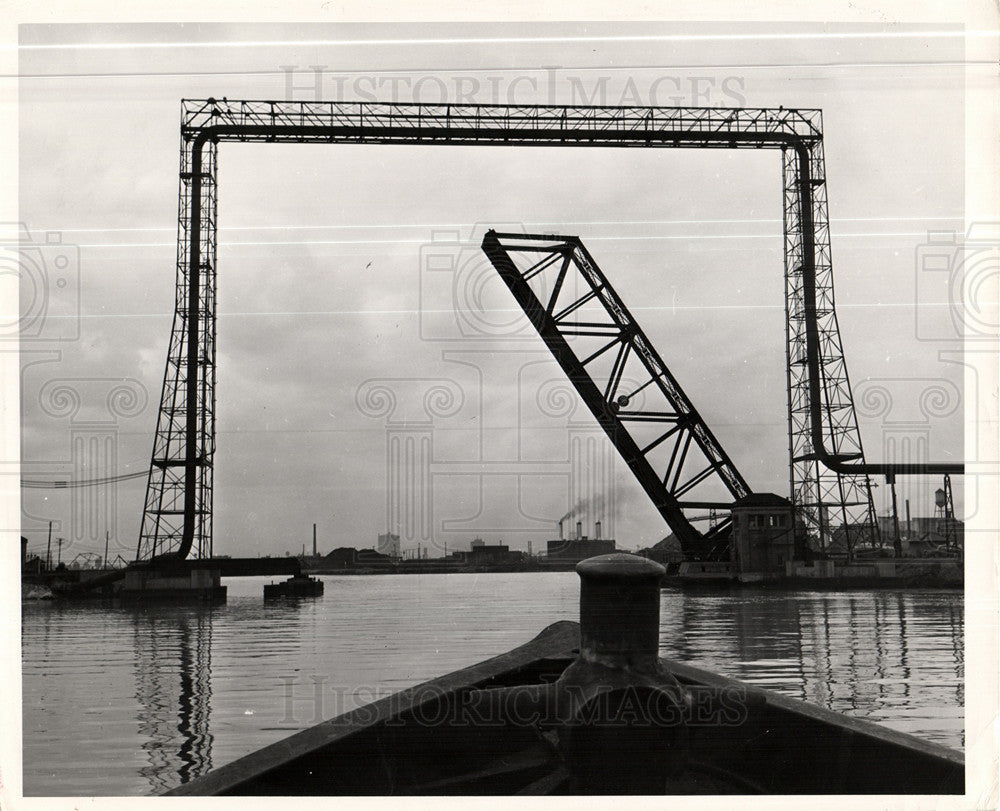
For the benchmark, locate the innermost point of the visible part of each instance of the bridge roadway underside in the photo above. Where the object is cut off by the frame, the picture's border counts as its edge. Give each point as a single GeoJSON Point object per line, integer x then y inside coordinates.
{"type": "Point", "coordinates": [240, 567]}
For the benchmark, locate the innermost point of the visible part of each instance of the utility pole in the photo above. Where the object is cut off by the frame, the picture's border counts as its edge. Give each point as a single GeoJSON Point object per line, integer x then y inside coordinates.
{"type": "Point", "coordinates": [48, 551]}
{"type": "Point", "coordinates": [897, 544]}
{"type": "Point", "coordinates": [950, 536]}
{"type": "Point", "coordinates": [314, 540]}
{"type": "Point", "coordinates": [59, 543]}
{"type": "Point", "coordinates": [107, 537]}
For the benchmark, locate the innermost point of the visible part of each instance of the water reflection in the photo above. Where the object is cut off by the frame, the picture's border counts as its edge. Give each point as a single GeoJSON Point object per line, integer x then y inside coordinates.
{"type": "Point", "coordinates": [173, 668]}
{"type": "Point", "coordinates": [131, 701]}
{"type": "Point", "coordinates": [892, 657]}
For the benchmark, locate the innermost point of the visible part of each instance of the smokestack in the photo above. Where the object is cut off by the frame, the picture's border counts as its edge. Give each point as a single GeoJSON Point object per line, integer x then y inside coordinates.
{"type": "Point", "coordinates": [597, 530]}
{"type": "Point", "coordinates": [314, 540]}
{"type": "Point", "coordinates": [579, 530]}
{"type": "Point", "coordinates": [560, 531]}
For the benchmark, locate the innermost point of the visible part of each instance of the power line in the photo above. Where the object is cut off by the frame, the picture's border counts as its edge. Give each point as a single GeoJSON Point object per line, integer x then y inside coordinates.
{"type": "Point", "coordinates": [70, 484]}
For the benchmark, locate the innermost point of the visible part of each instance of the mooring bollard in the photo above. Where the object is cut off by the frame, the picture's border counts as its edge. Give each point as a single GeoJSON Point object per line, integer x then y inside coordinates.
{"type": "Point", "coordinates": [620, 611]}
{"type": "Point", "coordinates": [619, 716]}
{"type": "Point", "coordinates": [623, 716]}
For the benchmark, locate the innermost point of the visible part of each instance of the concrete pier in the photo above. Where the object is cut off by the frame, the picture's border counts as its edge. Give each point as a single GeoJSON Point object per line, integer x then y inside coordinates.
{"type": "Point", "coordinates": [184, 585]}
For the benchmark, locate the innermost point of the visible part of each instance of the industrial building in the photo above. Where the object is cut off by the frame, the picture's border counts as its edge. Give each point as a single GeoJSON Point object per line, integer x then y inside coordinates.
{"type": "Point", "coordinates": [573, 550]}
{"type": "Point", "coordinates": [388, 544]}
{"type": "Point", "coordinates": [483, 554]}
{"type": "Point", "coordinates": [347, 557]}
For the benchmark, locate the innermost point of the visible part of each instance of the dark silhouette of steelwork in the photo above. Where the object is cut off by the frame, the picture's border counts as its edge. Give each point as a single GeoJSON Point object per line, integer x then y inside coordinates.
{"type": "Point", "coordinates": [622, 379]}
{"type": "Point", "coordinates": [944, 511]}
{"type": "Point", "coordinates": [177, 516]}
{"type": "Point", "coordinates": [173, 670]}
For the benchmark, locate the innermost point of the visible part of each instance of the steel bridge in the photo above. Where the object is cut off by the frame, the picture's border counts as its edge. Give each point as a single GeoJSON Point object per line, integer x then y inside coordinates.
{"type": "Point", "coordinates": [829, 478]}
{"type": "Point", "coordinates": [623, 380]}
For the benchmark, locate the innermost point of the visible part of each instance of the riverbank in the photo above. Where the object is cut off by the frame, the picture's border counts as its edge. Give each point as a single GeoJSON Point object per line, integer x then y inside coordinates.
{"type": "Point", "coordinates": [829, 575]}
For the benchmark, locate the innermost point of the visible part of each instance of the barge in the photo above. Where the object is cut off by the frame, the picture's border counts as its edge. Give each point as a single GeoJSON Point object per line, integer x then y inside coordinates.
{"type": "Point", "coordinates": [300, 585]}
{"type": "Point", "coordinates": [591, 709]}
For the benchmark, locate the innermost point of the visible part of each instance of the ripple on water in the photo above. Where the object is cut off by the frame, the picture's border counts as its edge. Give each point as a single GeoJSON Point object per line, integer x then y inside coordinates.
{"type": "Point", "coordinates": [131, 701]}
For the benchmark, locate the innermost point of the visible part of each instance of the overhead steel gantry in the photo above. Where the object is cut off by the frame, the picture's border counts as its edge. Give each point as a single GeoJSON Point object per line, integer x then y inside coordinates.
{"type": "Point", "coordinates": [828, 473]}
{"type": "Point", "coordinates": [623, 380]}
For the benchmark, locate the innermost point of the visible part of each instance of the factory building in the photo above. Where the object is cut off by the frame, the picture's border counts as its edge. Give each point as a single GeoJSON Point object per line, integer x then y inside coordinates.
{"type": "Point", "coordinates": [388, 544]}
{"type": "Point", "coordinates": [573, 550]}
{"type": "Point", "coordinates": [483, 554]}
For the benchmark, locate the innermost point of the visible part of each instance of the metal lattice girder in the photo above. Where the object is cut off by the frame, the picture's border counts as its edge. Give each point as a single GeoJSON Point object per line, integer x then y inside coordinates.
{"type": "Point", "coordinates": [621, 378]}
{"type": "Point", "coordinates": [826, 500]}
{"type": "Point", "coordinates": [178, 510]}
{"type": "Point", "coordinates": [177, 516]}
{"type": "Point", "coordinates": [333, 121]}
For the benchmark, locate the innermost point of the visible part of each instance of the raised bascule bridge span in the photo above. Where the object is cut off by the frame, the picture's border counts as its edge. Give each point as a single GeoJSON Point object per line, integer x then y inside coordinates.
{"type": "Point", "coordinates": [829, 477]}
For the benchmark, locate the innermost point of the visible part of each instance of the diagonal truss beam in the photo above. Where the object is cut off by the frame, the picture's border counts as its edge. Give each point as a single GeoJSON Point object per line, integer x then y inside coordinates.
{"type": "Point", "coordinates": [676, 455]}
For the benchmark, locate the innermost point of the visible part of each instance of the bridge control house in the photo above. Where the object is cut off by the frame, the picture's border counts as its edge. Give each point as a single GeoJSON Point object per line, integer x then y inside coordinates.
{"type": "Point", "coordinates": [763, 534]}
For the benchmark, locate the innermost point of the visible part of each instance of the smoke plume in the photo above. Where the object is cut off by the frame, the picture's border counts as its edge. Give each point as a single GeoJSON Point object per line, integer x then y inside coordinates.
{"type": "Point", "coordinates": [591, 507]}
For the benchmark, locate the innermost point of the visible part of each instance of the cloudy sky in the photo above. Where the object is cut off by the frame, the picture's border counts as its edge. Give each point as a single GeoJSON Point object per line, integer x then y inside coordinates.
{"type": "Point", "coordinates": [331, 291]}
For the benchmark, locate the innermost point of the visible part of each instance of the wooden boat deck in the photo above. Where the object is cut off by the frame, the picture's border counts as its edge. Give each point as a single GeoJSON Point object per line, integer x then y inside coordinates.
{"type": "Point", "coordinates": [421, 742]}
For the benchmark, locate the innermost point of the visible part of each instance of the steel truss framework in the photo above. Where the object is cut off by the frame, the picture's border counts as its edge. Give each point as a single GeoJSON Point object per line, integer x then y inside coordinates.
{"type": "Point", "coordinates": [622, 379]}
{"type": "Point", "coordinates": [826, 499]}
{"type": "Point", "coordinates": [945, 511]}
{"type": "Point", "coordinates": [177, 517]}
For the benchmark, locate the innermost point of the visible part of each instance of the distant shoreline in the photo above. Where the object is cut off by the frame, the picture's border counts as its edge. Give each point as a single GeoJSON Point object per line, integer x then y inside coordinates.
{"type": "Point", "coordinates": [432, 568]}
{"type": "Point", "coordinates": [925, 581]}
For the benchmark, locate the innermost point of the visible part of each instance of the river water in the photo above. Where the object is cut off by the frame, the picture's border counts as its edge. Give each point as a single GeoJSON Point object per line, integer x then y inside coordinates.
{"type": "Point", "coordinates": [132, 701]}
